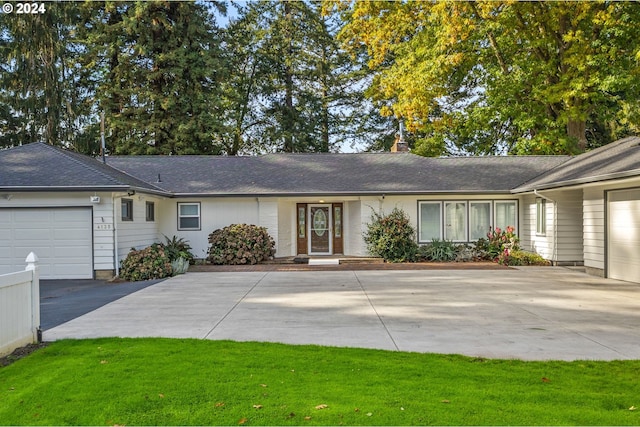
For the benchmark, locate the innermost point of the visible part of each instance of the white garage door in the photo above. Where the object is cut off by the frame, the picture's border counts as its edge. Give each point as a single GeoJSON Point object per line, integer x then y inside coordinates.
{"type": "Point", "coordinates": [624, 235]}
{"type": "Point", "coordinates": [60, 237]}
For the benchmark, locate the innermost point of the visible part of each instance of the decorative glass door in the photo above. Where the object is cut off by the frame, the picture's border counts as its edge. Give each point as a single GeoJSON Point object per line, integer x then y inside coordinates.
{"type": "Point", "coordinates": [320, 219]}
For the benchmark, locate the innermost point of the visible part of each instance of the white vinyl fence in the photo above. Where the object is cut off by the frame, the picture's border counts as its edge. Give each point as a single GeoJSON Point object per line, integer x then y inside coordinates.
{"type": "Point", "coordinates": [20, 307]}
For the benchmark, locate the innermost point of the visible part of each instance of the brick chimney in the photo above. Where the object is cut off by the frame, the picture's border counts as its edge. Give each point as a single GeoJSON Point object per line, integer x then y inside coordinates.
{"type": "Point", "coordinates": [400, 145]}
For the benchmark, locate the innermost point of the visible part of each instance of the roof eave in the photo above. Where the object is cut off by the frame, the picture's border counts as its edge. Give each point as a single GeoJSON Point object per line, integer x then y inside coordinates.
{"type": "Point", "coordinates": [342, 193]}
{"type": "Point", "coordinates": [578, 181]}
{"type": "Point", "coordinates": [36, 189]}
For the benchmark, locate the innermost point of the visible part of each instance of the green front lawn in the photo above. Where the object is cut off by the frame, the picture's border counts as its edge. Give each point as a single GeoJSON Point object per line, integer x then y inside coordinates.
{"type": "Point", "coordinates": [199, 382]}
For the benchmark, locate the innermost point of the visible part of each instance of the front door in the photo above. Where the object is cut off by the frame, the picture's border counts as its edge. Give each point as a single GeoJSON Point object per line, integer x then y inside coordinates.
{"type": "Point", "coordinates": [320, 233]}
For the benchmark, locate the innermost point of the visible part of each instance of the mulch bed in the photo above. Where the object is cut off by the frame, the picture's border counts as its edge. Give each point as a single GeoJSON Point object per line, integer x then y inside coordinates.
{"type": "Point", "coordinates": [351, 267]}
{"type": "Point", "coordinates": [21, 352]}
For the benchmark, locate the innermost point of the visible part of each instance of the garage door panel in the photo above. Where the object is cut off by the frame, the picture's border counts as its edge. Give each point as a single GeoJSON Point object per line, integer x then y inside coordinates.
{"type": "Point", "coordinates": [60, 237]}
{"type": "Point", "coordinates": [623, 235]}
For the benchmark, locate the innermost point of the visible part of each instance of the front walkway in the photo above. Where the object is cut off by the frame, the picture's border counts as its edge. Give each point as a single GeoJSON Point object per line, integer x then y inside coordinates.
{"type": "Point", "coordinates": [531, 313]}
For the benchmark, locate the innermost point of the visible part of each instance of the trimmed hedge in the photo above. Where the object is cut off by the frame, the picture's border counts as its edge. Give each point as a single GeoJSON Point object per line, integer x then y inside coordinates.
{"type": "Point", "coordinates": [240, 244]}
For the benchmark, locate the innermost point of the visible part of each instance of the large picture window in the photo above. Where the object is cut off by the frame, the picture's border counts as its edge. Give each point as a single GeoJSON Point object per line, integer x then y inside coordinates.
{"type": "Point", "coordinates": [455, 221]}
{"type": "Point", "coordinates": [506, 214]}
{"type": "Point", "coordinates": [188, 216]}
{"type": "Point", "coordinates": [429, 221]}
{"type": "Point", "coordinates": [464, 220]}
{"type": "Point", "coordinates": [479, 219]}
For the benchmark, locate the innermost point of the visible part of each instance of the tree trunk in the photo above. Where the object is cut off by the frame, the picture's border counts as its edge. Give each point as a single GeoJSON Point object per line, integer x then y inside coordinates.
{"type": "Point", "coordinates": [578, 129]}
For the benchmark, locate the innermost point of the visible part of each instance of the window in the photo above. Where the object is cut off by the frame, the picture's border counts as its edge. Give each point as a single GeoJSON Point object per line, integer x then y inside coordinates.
{"type": "Point", "coordinates": [541, 216]}
{"type": "Point", "coordinates": [506, 214]}
{"type": "Point", "coordinates": [150, 211]}
{"type": "Point", "coordinates": [127, 209]}
{"type": "Point", "coordinates": [188, 216]}
{"type": "Point", "coordinates": [455, 226]}
{"type": "Point", "coordinates": [464, 220]}
{"type": "Point", "coordinates": [429, 221]}
{"type": "Point", "coordinates": [479, 219]}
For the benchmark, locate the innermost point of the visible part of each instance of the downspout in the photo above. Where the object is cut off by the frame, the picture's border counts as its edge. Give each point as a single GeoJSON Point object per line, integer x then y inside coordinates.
{"type": "Point", "coordinates": [554, 255]}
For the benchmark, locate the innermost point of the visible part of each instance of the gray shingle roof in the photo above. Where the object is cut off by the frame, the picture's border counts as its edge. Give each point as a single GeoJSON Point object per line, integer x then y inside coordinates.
{"type": "Point", "coordinates": [324, 174]}
{"type": "Point", "coordinates": [40, 166]}
{"type": "Point", "coordinates": [619, 159]}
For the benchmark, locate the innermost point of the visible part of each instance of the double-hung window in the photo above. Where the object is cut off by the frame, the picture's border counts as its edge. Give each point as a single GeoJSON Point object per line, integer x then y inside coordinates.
{"type": "Point", "coordinates": [188, 216]}
{"type": "Point", "coordinates": [126, 207]}
{"type": "Point", "coordinates": [150, 209]}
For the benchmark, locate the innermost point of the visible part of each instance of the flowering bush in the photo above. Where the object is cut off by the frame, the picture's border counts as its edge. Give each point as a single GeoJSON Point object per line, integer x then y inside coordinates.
{"type": "Point", "coordinates": [149, 263]}
{"type": "Point", "coordinates": [499, 243]}
{"type": "Point", "coordinates": [391, 237]}
{"type": "Point", "coordinates": [240, 244]}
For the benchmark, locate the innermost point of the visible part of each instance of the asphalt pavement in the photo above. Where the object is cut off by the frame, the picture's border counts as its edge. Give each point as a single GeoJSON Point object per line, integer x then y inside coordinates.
{"type": "Point", "coordinates": [64, 300]}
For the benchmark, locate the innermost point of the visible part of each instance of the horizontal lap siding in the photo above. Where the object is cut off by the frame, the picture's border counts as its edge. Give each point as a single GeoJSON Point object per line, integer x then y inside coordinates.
{"type": "Point", "coordinates": [138, 233]}
{"type": "Point", "coordinates": [569, 227]}
{"type": "Point", "coordinates": [593, 211]}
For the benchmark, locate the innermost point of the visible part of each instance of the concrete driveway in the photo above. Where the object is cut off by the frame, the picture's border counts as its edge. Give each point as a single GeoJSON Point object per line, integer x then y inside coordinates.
{"type": "Point", "coordinates": [530, 313]}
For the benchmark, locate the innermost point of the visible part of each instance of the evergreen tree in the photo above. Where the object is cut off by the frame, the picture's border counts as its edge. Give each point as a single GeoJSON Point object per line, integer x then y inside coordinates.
{"type": "Point", "coordinates": [155, 67]}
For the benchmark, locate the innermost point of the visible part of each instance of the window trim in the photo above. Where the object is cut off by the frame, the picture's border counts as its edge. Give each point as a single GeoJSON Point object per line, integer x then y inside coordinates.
{"type": "Point", "coordinates": [466, 220]}
{"type": "Point", "coordinates": [150, 211]}
{"type": "Point", "coordinates": [468, 202]}
{"type": "Point", "coordinates": [199, 216]}
{"type": "Point", "coordinates": [491, 204]}
{"type": "Point", "coordinates": [128, 215]}
{"type": "Point", "coordinates": [432, 202]}
{"type": "Point", "coordinates": [541, 216]}
{"type": "Point", "coordinates": [516, 204]}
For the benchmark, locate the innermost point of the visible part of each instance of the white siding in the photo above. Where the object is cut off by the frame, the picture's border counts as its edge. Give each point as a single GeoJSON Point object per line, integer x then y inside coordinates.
{"type": "Point", "coordinates": [215, 213]}
{"type": "Point", "coordinates": [569, 226]}
{"type": "Point", "coordinates": [566, 246]}
{"type": "Point", "coordinates": [593, 212]}
{"type": "Point", "coordinates": [286, 229]}
{"type": "Point", "coordinates": [353, 229]}
{"type": "Point", "coordinates": [138, 233]}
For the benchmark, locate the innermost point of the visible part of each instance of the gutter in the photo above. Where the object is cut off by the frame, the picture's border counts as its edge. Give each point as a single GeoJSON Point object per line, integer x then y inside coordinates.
{"type": "Point", "coordinates": [554, 254]}
{"type": "Point", "coordinates": [581, 181]}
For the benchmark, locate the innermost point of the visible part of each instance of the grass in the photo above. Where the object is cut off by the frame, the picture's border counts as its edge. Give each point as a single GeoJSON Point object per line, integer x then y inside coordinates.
{"type": "Point", "coordinates": [199, 382]}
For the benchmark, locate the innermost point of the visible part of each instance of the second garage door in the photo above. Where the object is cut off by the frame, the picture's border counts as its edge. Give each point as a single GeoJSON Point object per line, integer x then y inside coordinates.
{"type": "Point", "coordinates": [60, 237]}
{"type": "Point", "coordinates": [623, 235]}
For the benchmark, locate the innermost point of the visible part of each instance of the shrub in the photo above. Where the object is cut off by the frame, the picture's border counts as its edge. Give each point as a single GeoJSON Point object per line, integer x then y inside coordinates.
{"type": "Point", "coordinates": [176, 248]}
{"type": "Point", "coordinates": [149, 263]}
{"type": "Point", "coordinates": [438, 251]}
{"type": "Point", "coordinates": [391, 237]}
{"type": "Point", "coordinates": [240, 244]}
{"type": "Point", "coordinates": [519, 257]}
{"type": "Point", "coordinates": [498, 243]}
